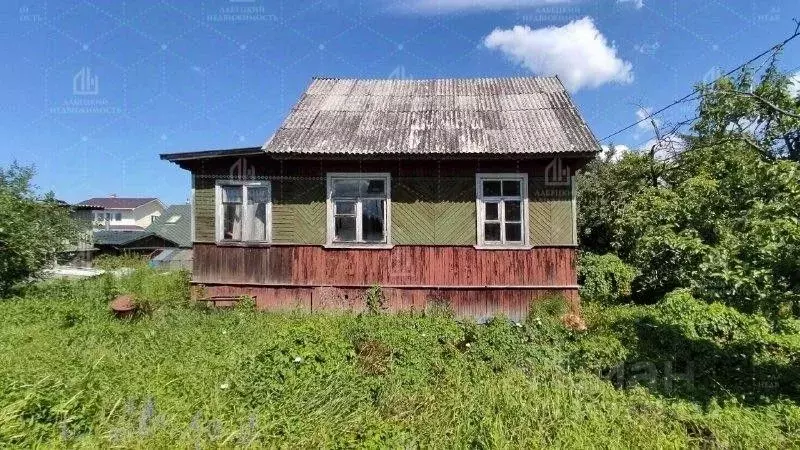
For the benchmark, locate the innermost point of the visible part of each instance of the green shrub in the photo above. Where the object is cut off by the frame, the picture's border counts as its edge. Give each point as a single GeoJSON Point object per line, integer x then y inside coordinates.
{"type": "Point", "coordinates": [122, 261]}
{"type": "Point", "coordinates": [550, 307]}
{"type": "Point", "coordinates": [152, 289]}
{"type": "Point", "coordinates": [686, 347]}
{"type": "Point", "coordinates": [717, 322]}
{"type": "Point", "coordinates": [374, 299]}
{"type": "Point", "coordinates": [604, 278]}
{"type": "Point", "coordinates": [599, 352]}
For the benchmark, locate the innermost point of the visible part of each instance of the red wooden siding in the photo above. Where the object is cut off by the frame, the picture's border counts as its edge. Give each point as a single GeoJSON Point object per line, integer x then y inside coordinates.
{"type": "Point", "coordinates": [401, 266]}
{"type": "Point", "coordinates": [474, 283]}
{"type": "Point", "coordinates": [480, 304]}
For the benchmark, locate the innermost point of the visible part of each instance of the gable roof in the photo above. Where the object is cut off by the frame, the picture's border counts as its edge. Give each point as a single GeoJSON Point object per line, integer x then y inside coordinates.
{"type": "Point", "coordinates": [116, 202]}
{"type": "Point", "coordinates": [530, 115]}
{"type": "Point", "coordinates": [178, 231]}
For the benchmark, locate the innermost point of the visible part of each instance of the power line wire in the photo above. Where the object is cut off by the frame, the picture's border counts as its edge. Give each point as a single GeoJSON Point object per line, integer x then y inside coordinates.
{"type": "Point", "coordinates": [772, 49]}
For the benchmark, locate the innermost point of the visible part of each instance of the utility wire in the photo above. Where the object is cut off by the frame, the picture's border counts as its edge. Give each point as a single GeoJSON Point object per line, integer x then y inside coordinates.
{"type": "Point", "coordinates": [772, 49]}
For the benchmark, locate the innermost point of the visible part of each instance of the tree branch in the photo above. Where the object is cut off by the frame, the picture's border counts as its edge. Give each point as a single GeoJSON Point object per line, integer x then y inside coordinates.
{"type": "Point", "coordinates": [766, 103]}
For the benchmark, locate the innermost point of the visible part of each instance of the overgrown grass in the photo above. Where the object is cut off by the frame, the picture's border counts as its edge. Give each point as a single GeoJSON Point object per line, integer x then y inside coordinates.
{"type": "Point", "coordinates": [122, 261]}
{"type": "Point", "coordinates": [74, 376]}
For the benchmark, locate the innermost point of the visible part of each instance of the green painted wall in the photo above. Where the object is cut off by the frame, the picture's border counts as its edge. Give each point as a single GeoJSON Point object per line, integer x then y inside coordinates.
{"type": "Point", "coordinates": [203, 209]}
{"type": "Point", "coordinates": [298, 212]}
{"type": "Point", "coordinates": [550, 214]}
{"type": "Point", "coordinates": [425, 211]}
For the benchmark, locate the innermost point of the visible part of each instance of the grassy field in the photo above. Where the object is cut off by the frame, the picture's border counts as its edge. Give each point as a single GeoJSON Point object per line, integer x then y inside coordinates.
{"type": "Point", "coordinates": [74, 376]}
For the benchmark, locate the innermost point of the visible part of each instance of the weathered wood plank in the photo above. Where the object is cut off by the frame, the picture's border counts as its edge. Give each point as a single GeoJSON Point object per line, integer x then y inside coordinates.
{"type": "Point", "coordinates": [400, 266]}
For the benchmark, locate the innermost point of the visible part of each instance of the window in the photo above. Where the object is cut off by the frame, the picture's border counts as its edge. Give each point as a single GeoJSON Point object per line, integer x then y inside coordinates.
{"type": "Point", "coordinates": [244, 210]}
{"type": "Point", "coordinates": [502, 209]}
{"type": "Point", "coordinates": [358, 209]}
{"type": "Point", "coordinates": [117, 217]}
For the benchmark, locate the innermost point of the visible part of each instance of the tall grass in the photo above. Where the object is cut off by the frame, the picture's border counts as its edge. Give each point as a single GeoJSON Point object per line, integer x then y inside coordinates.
{"type": "Point", "coordinates": [75, 376]}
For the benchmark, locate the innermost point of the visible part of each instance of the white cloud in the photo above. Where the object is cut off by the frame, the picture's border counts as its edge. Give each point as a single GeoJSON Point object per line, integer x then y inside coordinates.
{"type": "Point", "coordinates": [644, 114]}
{"type": "Point", "coordinates": [666, 148]}
{"type": "Point", "coordinates": [613, 155]}
{"type": "Point", "coordinates": [635, 3]}
{"type": "Point", "coordinates": [577, 52]}
{"type": "Point", "coordinates": [794, 84]}
{"type": "Point", "coordinates": [451, 6]}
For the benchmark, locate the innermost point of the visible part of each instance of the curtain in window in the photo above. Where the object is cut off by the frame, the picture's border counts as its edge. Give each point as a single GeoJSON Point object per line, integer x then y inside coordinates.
{"type": "Point", "coordinates": [256, 221]}
{"type": "Point", "coordinates": [232, 213]}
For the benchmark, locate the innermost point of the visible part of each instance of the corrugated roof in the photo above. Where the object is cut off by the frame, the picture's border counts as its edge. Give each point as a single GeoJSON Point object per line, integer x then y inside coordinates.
{"type": "Point", "coordinates": [115, 237]}
{"type": "Point", "coordinates": [528, 115]}
{"type": "Point", "coordinates": [174, 224]}
{"type": "Point", "coordinates": [116, 202]}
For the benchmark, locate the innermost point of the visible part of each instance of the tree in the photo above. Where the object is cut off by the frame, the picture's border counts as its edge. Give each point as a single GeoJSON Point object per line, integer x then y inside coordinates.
{"type": "Point", "coordinates": [722, 215]}
{"type": "Point", "coordinates": [763, 114]}
{"type": "Point", "coordinates": [33, 229]}
{"type": "Point", "coordinates": [604, 187]}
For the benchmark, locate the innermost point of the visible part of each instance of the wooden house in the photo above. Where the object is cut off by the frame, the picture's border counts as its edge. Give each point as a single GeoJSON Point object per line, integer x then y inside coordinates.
{"type": "Point", "coordinates": [454, 191]}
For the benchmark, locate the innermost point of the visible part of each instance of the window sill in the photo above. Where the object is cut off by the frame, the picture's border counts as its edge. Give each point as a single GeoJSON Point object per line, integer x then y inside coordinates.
{"type": "Point", "coordinates": [503, 247]}
{"type": "Point", "coordinates": [359, 246]}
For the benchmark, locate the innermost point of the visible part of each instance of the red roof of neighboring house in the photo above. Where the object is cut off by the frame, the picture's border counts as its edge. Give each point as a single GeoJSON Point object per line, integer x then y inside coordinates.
{"type": "Point", "coordinates": [116, 202]}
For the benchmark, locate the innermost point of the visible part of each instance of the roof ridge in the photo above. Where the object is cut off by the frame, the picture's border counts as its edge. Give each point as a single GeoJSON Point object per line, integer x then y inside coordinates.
{"type": "Point", "coordinates": [514, 77]}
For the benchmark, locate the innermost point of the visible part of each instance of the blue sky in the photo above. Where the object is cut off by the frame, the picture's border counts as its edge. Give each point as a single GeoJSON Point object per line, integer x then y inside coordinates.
{"type": "Point", "coordinates": [93, 91]}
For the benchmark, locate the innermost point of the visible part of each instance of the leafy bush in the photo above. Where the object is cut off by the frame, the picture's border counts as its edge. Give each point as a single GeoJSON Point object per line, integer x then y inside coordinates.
{"type": "Point", "coordinates": [718, 215]}
{"type": "Point", "coordinates": [122, 261]}
{"type": "Point", "coordinates": [33, 229]}
{"type": "Point", "coordinates": [152, 289]}
{"type": "Point", "coordinates": [715, 322]}
{"type": "Point", "coordinates": [604, 278]}
{"type": "Point", "coordinates": [374, 299]}
{"type": "Point", "coordinates": [686, 347]}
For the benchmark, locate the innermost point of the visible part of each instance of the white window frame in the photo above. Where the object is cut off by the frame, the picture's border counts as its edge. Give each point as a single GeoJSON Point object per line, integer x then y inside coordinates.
{"type": "Point", "coordinates": [218, 210]}
{"type": "Point", "coordinates": [481, 211]}
{"type": "Point", "coordinates": [387, 220]}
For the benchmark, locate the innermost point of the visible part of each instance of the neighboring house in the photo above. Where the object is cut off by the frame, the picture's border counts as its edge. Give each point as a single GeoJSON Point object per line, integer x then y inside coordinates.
{"type": "Point", "coordinates": [79, 252]}
{"type": "Point", "coordinates": [174, 225]}
{"type": "Point", "coordinates": [117, 213]}
{"type": "Point", "coordinates": [172, 229]}
{"type": "Point", "coordinates": [455, 191]}
{"type": "Point", "coordinates": [130, 241]}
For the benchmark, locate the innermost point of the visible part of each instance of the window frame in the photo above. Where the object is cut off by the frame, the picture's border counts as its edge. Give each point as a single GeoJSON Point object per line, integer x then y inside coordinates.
{"type": "Point", "coordinates": [219, 210]}
{"type": "Point", "coordinates": [480, 201]}
{"type": "Point", "coordinates": [330, 205]}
